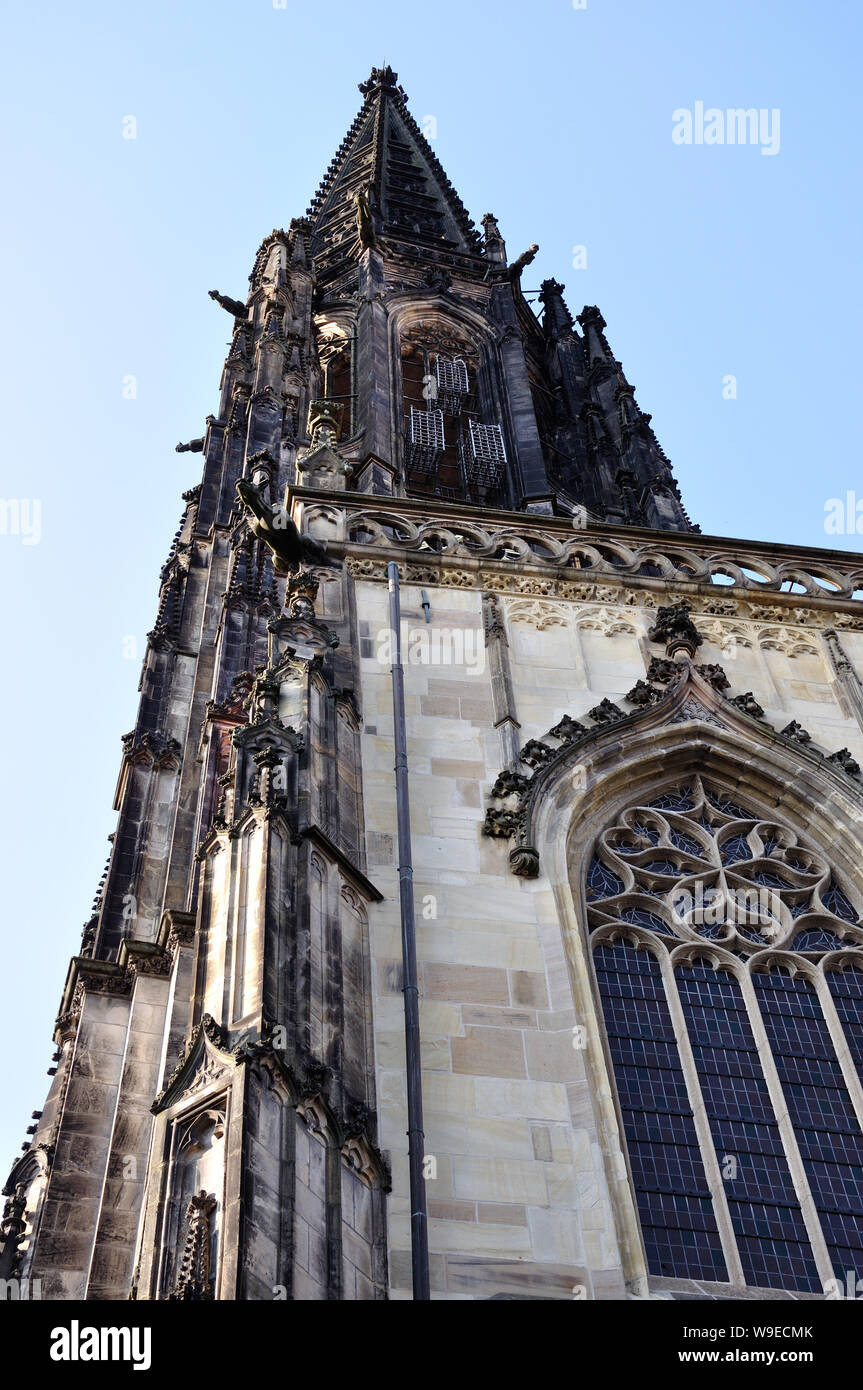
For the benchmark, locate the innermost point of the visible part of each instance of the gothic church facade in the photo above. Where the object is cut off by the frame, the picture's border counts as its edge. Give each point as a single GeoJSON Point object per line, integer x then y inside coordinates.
{"type": "Point", "coordinates": [637, 818]}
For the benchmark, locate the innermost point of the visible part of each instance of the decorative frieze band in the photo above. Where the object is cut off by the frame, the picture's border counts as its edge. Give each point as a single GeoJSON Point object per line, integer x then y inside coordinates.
{"type": "Point", "coordinates": [453, 549]}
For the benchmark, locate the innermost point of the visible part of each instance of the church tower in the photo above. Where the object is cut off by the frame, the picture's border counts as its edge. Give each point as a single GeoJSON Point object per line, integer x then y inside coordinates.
{"type": "Point", "coordinates": [636, 804]}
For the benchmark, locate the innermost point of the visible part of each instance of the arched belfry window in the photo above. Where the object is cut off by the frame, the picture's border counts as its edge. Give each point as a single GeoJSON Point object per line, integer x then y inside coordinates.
{"type": "Point", "coordinates": [454, 447]}
{"type": "Point", "coordinates": [728, 959]}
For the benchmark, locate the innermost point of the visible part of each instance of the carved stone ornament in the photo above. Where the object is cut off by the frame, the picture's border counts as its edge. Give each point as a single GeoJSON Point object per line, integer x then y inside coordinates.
{"type": "Point", "coordinates": [535, 753]}
{"type": "Point", "coordinates": [524, 861]}
{"type": "Point", "coordinates": [748, 704]}
{"type": "Point", "coordinates": [797, 732]}
{"type": "Point", "coordinates": [715, 676]}
{"type": "Point", "coordinates": [643, 694]}
{"type": "Point", "coordinates": [194, 1282]}
{"type": "Point", "coordinates": [676, 629]}
{"type": "Point", "coordinates": [845, 760]}
{"type": "Point", "coordinates": [690, 697]}
{"type": "Point", "coordinates": [567, 730]}
{"type": "Point", "coordinates": [202, 1062]}
{"type": "Point", "coordinates": [300, 595]}
{"type": "Point", "coordinates": [661, 671]}
{"type": "Point", "coordinates": [606, 712]}
{"type": "Point", "coordinates": [509, 783]}
{"type": "Point", "coordinates": [279, 532]}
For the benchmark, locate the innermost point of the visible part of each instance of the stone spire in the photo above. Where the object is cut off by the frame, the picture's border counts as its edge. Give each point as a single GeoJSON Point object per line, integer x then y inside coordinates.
{"type": "Point", "coordinates": [385, 183]}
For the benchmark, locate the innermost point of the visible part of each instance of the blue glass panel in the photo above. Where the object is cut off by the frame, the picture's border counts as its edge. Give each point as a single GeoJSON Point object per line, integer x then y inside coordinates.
{"type": "Point", "coordinates": [640, 917]}
{"type": "Point", "coordinates": [768, 880]}
{"type": "Point", "coordinates": [661, 866]}
{"type": "Point", "coordinates": [680, 800]}
{"type": "Point", "coordinates": [836, 902]}
{"type": "Point", "coordinates": [728, 808]}
{"type": "Point", "coordinates": [601, 882]}
{"type": "Point", "coordinates": [816, 939]}
{"type": "Point", "coordinates": [820, 1108]}
{"type": "Point", "coordinates": [677, 1219]}
{"type": "Point", "coordinates": [771, 1235]}
{"type": "Point", "coordinates": [736, 849]}
{"type": "Point", "coordinates": [686, 842]}
{"type": "Point", "coordinates": [648, 832]}
{"type": "Point", "coordinates": [846, 987]}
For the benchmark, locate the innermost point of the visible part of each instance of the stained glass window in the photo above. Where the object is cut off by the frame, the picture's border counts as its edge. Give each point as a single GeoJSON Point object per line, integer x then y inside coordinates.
{"type": "Point", "coordinates": [677, 1218]}
{"type": "Point", "coordinates": [736, 848]}
{"type": "Point", "coordinates": [765, 1212]}
{"type": "Point", "coordinates": [846, 987]}
{"type": "Point", "coordinates": [820, 1108]}
{"type": "Point", "coordinates": [757, 930]}
{"type": "Point", "coordinates": [601, 882]}
{"type": "Point", "coordinates": [836, 902]}
{"type": "Point", "coordinates": [817, 939]}
{"type": "Point", "coordinates": [641, 918]}
{"type": "Point", "coordinates": [686, 842]}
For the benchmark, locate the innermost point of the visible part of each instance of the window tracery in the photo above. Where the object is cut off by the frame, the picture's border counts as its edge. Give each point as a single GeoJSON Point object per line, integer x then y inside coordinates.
{"type": "Point", "coordinates": [704, 911]}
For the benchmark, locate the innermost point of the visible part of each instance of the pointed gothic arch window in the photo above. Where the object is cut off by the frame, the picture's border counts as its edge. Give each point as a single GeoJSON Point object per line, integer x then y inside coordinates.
{"type": "Point", "coordinates": [454, 445]}
{"type": "Point", "coordinates": [433, 461]}
{"type": "Point", "coordinates": [728, 961]}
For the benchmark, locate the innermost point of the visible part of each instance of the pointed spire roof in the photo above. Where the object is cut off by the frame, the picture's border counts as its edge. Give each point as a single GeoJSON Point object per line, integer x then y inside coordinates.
{"type": "Point", "coordinates": [386, 157]}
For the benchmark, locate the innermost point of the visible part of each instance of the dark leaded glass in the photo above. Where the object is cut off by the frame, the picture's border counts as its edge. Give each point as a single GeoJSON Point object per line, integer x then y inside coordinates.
{"type": "Point", "coordinates": [714, 931]}
{"type": "Point", "coordinates": [771, 1235]}
{"type": "Point", "coordinates": [772, 1241]}
{"type": "Point", "coordinates": [801, 865]}
{"type": "Point", "coordinates": [648, 831]}
{"type": "Point", "coordinates": [767, 880]}
{"type": "Point", "coordinates": [640, 917]}
{"type": "Point", "coordinates": [677, 1220]}
{"type": "Point", "coordinates": [601, 882]}
{"type": "Point", "coordinates": [820, 1108]}
{"type": "Point", "coordinates": [736, 849]}
{"type": "Point", "coordinates": [686, 843]}
{"type": "Point", "coordinates": [816, 939]}
{"type": "Point", "coordinates": [661, 866]}
{"type": "Point", "coordinates": [846, 987]}
{"type": "Point", "coordinates": [728, 808]}
{"type": "Point", "coordinates": [836, 902]}
{"type": "Point", "coordinates": [680, 800]}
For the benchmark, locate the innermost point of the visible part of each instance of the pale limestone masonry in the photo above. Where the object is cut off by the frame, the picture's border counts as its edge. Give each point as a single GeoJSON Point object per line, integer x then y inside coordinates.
{"type": "Point", "coordinates": [522, 1196]}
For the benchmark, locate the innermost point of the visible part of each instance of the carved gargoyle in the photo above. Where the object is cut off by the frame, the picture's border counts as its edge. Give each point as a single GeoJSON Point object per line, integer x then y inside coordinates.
{"type": "Point", "coordinates": [194, 446]}
{"type": "Point", "coordinates": [233, 306]}
{"type": "Point", "coordinates": [275, 528]}
{"type": "Point", "coordinates": [365, 221]}
{"type": "Point", "coordinates": [524, 260]}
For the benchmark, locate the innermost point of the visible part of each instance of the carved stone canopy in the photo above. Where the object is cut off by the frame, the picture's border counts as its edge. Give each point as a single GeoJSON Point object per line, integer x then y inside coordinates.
{"type": "Point", "coordinates": [697, 696]}
{"type": "Point", "coordinates": [204, 1062]}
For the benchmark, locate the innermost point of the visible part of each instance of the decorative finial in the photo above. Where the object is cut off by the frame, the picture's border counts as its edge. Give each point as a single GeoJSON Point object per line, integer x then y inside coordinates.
{"type": "Point", "coordinates": [383, 80]}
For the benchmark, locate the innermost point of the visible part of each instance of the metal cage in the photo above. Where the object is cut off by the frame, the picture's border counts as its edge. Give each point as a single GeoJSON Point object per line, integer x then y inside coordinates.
{"type": "Point", "coordinates": [452, 384]}
{"type": "Point", "coordinates": [425, 440]}
{"type": "Point", "coordinates": [483, 455]}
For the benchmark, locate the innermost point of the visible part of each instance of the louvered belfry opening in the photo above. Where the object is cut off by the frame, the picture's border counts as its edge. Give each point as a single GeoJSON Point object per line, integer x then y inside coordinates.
{"type": "Point", "coordinates": [450, 453]}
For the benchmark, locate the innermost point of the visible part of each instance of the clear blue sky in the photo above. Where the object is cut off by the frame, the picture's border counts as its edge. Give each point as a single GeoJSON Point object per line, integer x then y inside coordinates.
{"type": "Point", "coordinates": [705, 260]}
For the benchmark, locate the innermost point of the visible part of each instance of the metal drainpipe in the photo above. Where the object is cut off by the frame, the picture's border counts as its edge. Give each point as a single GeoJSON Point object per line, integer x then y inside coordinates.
{"type": "Point", "coordinates": [419, 1217]}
